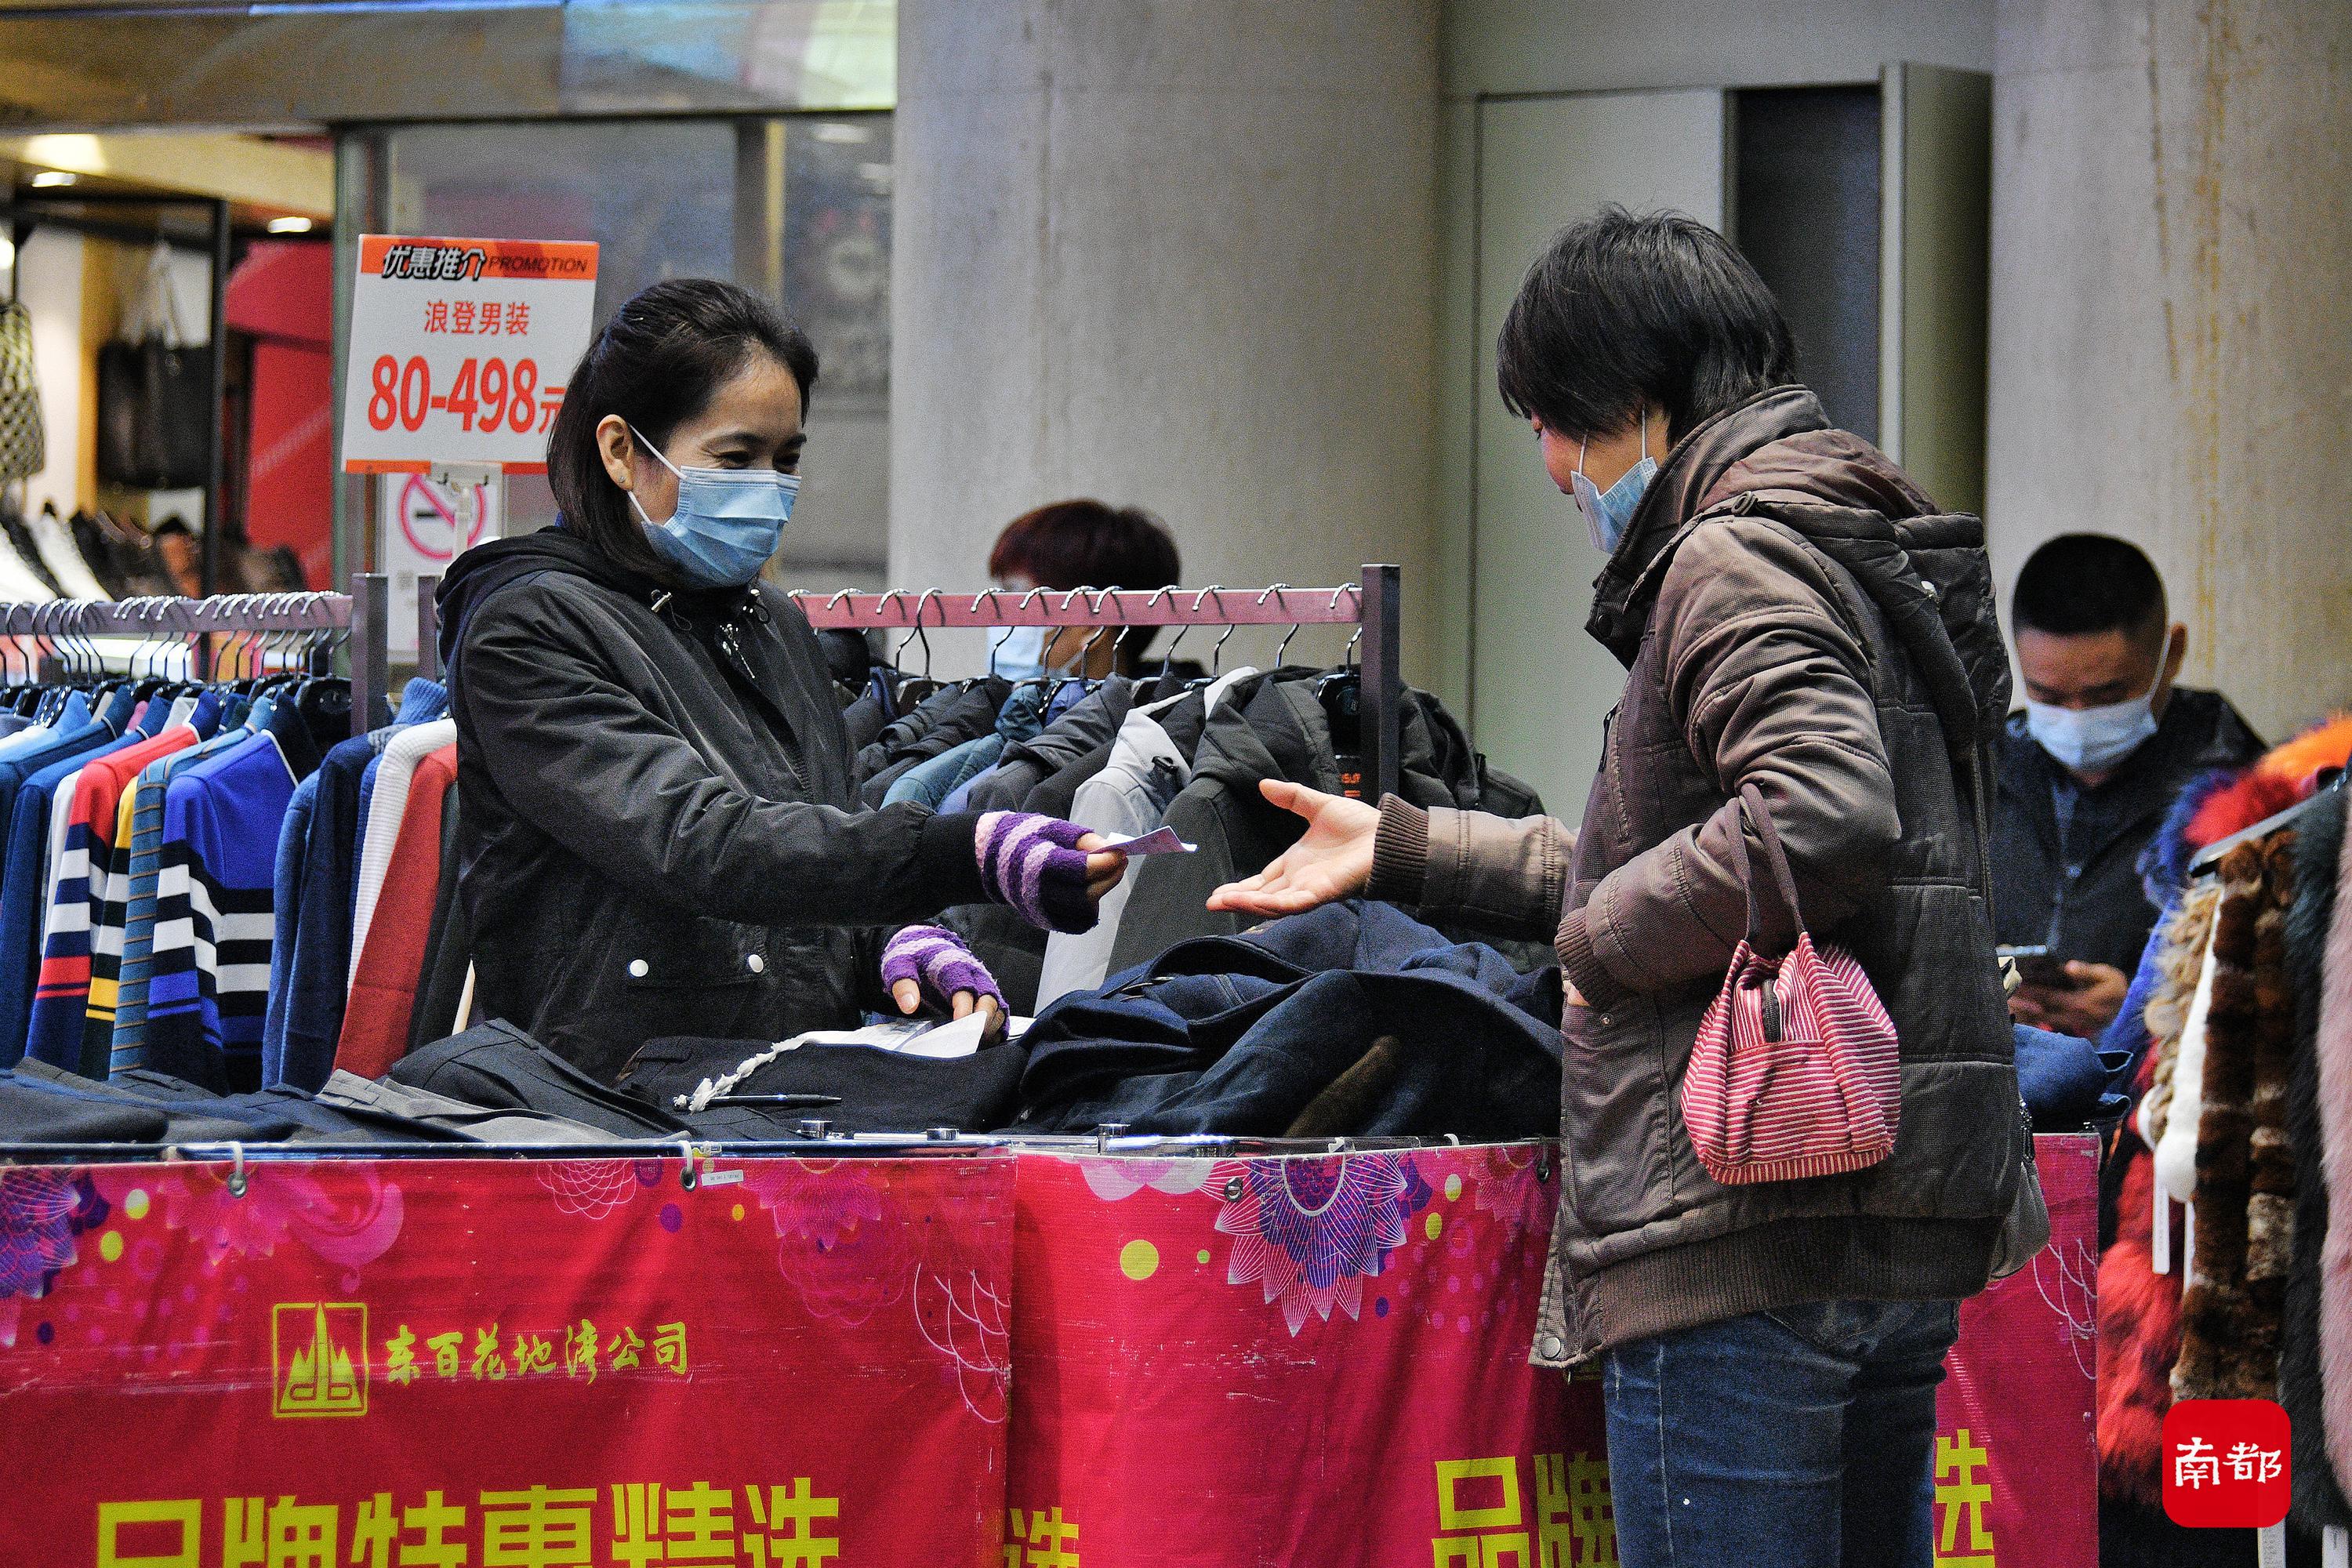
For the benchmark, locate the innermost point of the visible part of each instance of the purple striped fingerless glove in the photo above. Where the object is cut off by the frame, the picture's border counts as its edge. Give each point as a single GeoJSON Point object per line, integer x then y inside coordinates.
{"type": "Point", "coordinates": [1034, 864]}
{"type": "Point", "coordinates": [937, 958]}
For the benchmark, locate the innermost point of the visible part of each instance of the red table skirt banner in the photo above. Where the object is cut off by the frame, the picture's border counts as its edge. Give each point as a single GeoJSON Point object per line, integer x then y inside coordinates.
{"type": "Point", "coordinates": [539, 1362]}
{"type": "Point", "coordinates": [2016, 1453]}
{"type": "Point", "coordinates": [1305, 1360]}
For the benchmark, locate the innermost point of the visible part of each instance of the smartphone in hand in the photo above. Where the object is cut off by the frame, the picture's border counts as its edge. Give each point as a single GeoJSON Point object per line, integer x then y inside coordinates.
{"type": "Point", "coordinates": [2039, 966]}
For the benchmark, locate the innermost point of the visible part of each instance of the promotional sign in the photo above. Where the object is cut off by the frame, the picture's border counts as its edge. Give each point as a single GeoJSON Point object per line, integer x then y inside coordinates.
{"type": "Point", "coordinates": [458, 351]}
{"type": "Point", "coordinates": [1311, 1359]}
{"type": "Point", "coordinates": [424, 524]}
{"type": "Point", "coordinates": [496, 1362]}
{"type": "Point", "coordinates": [2016, 1452]}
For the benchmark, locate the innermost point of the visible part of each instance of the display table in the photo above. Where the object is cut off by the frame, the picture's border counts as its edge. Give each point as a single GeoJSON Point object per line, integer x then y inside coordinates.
{"type": "Point", "coordinates": [1032, 1358]}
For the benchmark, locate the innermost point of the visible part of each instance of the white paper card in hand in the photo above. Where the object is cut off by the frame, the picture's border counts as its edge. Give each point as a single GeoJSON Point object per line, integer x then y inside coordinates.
{"type": "Point", "coordinates": [1158, 841]}
{"type": "Point", "coordinates": [960, 1038]}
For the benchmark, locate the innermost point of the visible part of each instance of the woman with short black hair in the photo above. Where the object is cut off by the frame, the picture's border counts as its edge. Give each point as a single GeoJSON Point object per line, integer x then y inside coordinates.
{"type": "Point", "coordinates": [659, 832]}
{"type": "Point", "coordinates": [1809, 649]}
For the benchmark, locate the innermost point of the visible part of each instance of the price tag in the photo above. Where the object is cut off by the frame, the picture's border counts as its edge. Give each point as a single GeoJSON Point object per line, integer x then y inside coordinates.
{"type": "Point", "coordinates": [458, 349]}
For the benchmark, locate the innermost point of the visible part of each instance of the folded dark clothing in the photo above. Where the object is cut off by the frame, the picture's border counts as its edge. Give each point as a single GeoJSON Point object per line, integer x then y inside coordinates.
{"type": "Point", "coordinates": [875, 1091]}
{"type": "Point", "coordinates": [2063, 1080]}
{"type": "Point", "coordinates": [1350, 1019]}
{"type": "Point", "coordinates": [280, 1114]}
{"type": "Point", "coordinates": [496, 1065]}
{"type": "Point", "coordinates": [33, 1111]}
{"type": "Point", "coordinates": [192, 1113]}
{"type": "Point", "coordinates": [438, 1116]}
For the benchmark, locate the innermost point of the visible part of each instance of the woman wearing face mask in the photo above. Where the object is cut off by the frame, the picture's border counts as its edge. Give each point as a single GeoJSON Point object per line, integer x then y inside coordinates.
{"type": "Point", "coordinates": [1077, 544]}
{"type": "Point", "coordinates": [1806, 637]}
{"type": "Point", "coordinates": [659, 835]}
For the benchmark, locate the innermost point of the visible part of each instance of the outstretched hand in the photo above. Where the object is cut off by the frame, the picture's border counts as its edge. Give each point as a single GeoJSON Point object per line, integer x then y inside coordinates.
{"type": "Point", "coordinates": [1332, 860]}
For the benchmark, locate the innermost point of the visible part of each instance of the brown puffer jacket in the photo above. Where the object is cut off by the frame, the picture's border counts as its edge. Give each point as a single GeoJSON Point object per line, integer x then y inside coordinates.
{"type": "Point", "coordinates": [1792, 613]}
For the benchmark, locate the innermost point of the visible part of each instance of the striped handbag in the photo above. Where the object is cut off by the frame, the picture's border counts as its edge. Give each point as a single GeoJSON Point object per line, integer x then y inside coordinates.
{"type": "Point", "coordinates": [1795, 1071]}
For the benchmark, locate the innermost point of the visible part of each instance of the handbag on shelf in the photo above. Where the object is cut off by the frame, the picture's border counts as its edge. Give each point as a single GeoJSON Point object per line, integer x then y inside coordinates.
{"type": "Point", "coordinates": [155, 396]}
{"type": "Point", "coordinates": [24, 447]}
{"type": "Point", "coordinates": [1795, 1072]}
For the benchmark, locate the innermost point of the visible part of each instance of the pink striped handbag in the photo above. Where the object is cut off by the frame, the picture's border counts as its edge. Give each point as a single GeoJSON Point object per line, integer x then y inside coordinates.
{"type": "Point", "coordinates": [1795, 1071]}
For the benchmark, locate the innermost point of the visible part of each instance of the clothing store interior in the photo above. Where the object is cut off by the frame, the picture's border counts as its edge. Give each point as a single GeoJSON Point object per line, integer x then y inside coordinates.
{"type": "Point", "coordinates": [1204, 781]}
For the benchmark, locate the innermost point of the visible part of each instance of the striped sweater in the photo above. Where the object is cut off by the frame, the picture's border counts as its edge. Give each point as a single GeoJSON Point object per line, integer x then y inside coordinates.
{"type": "Point", "coordinates": [140, 855]}
{"type": "Point", "coordinates": [80, 890]}
{"type": "Point", "coordinates": [209, 986]}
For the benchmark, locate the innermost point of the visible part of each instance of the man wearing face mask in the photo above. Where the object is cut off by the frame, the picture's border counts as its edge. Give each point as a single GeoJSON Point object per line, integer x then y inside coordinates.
{"type": "Point", "coordinates": [657, 829]}
{"type": "Point", "coordinates": [2104, 744]}
{"type": "Point", "coordinates": [1080, 544]}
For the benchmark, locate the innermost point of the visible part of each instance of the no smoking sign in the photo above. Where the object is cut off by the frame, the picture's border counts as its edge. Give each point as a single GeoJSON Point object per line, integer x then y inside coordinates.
{"type": "Point", "coordinates": [438, 522]}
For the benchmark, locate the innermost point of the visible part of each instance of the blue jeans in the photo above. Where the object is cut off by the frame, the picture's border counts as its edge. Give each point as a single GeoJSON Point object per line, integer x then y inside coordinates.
{"type": "Point", "coordinates": [1803, 1438]}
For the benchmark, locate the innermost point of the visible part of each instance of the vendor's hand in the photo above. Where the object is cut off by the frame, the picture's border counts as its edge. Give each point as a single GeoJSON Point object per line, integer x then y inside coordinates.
{"type": "Point", "coordinates": [930, 963]}
{"type": "Point", "coordinates": [1103, 866]}
{"type": "Point", "coordinates": [909, 995]}
{"type": "Point", "coordinates": [1051, 872]}
{"type": "Point", "coordinates": [1332, 860]}
{"type": "Point", "coordinates": [2085, 1007]}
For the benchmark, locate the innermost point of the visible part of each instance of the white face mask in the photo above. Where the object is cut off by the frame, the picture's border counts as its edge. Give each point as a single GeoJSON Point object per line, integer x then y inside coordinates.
{"type": "Point", "coordinates": [2093, 739]}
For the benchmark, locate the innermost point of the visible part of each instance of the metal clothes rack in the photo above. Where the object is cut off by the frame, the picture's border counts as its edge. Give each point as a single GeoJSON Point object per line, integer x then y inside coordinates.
{"type": "Point", "coordinates": [1372, 604]}
{"type": "Point", "coordinates": [362, 613]}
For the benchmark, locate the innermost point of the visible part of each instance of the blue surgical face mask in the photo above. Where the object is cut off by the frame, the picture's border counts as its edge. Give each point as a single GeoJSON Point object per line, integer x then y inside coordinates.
{"type": "Point", "coordinates": [2093, 740]}
{"type": "Point", "coordinates": [1018, 653]}
{"type": "Point", "coordinates": [728, 522]}
{"type": "Point", "coordinates": [1610, 515]}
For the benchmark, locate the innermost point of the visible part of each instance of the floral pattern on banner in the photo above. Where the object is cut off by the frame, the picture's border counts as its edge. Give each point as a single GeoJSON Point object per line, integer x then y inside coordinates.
{"type": "Point", "coordinates": [346, 1214]}
{"type": "Point", "coordinates": [42, 1210]}
{"type": "Point", "coordinates": [1523, 1206]}
{"type": "Point", "coordinates": [971, 1325]}
{"type": "Point", "coordinates": [1309, 1231]}
{"type": "Point", "coordinates": [594, 1189]}
{"type": "Point", "coordinates": [827, 1213]}
{"type": "Point", "coordinates": [1111, 1180]}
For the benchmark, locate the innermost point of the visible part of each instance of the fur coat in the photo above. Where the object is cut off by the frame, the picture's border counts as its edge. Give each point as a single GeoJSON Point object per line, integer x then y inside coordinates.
{"type": "Point", "coordinates": [2230, 1307]}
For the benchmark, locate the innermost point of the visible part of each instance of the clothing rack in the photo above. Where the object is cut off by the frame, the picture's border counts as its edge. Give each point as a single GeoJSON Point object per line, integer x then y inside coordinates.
{"type": "Point", "coordinates": [361, 614]}
{"type": "Point", "coordinates": [1372, 604]}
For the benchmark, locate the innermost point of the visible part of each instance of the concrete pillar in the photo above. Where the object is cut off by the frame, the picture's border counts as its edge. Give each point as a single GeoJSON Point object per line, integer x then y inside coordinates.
{"type": "Point", "coordinates": [1177, 253]}
{"type": "Point", "coordinates": [2171, 335]}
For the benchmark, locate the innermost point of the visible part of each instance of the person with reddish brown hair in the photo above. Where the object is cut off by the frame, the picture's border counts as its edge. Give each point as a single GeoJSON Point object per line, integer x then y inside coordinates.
{"type": "Point", "coordinates": [1081, 543]}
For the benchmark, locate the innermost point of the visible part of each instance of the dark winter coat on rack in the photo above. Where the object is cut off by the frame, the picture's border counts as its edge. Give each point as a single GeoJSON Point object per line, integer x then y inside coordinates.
{"type": "Point", "coordinates": [1271, 726]}
{"type": "Point", "coordinates": [659, 833]}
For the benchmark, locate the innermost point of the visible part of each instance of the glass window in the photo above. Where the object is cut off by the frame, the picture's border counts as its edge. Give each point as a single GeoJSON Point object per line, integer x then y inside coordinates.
{"type": "Point", "coordinates": [791, 206]}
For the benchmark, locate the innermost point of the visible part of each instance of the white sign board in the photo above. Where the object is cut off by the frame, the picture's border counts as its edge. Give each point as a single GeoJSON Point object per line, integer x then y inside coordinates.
{"type": "Point", "coordinates": [424, 523]}
{"type": "Point", "coordinates": [458, 351]}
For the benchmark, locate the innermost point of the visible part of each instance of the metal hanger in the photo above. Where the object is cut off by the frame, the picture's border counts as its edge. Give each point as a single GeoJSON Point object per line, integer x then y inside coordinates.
{"type": "Point", "coordinates": [928, 595]}
{"type": "Point", "coordinates": [1217, 648]}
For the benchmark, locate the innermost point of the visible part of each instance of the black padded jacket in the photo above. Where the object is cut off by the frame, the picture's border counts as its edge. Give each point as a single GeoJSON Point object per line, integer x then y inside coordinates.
{"type": "Point", "coordinates": [659, 834]}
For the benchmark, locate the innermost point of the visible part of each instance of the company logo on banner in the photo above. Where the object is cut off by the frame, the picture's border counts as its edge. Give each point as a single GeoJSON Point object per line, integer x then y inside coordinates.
{"type": "Point", "coordinates": [318, 1358]}
{"type": "Point", "coordinates": [458, 351]}
{"type": "Point", "coordinates": [550, 1361]}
